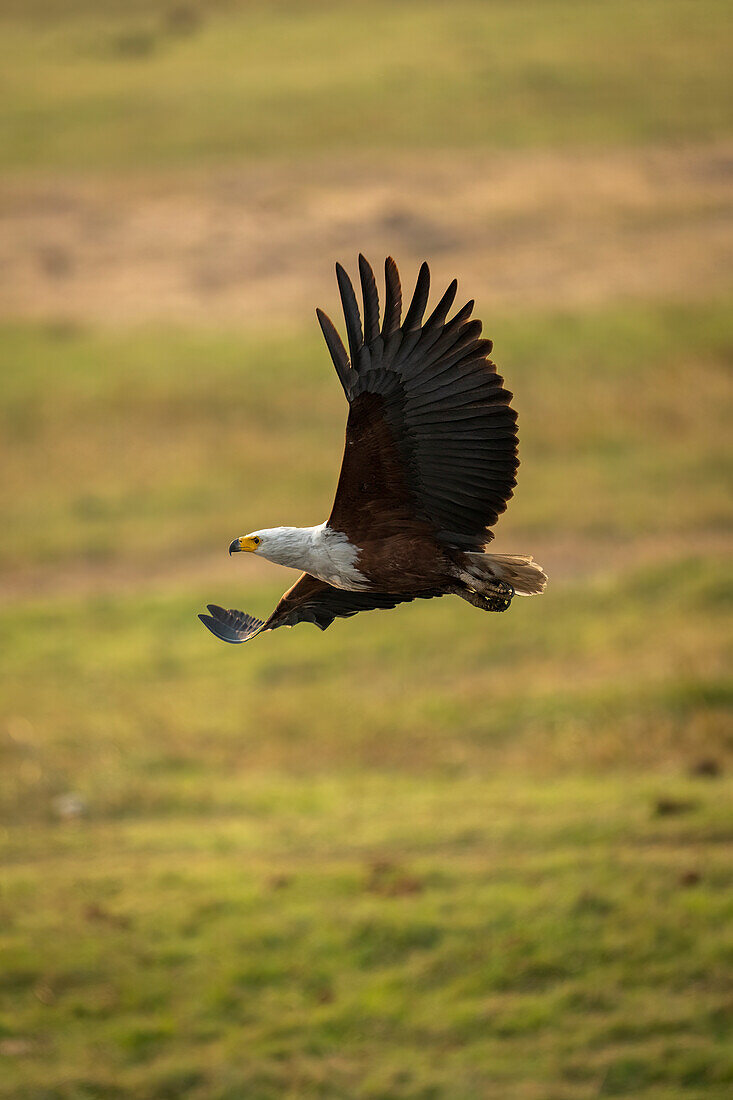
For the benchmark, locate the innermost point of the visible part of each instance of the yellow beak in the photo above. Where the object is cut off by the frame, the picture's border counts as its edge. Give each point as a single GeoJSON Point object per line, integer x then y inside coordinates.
{"type": "Point", "coordinates": [244, 544]}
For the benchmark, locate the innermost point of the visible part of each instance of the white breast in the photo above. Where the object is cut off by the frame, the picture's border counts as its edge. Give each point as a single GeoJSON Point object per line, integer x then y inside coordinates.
{"type": "Point", "coordinates": [333, 559]}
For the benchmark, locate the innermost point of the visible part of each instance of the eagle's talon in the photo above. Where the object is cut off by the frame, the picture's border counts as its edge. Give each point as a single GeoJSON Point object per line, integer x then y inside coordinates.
{"type": "Point", "coordinates": [501, 596]}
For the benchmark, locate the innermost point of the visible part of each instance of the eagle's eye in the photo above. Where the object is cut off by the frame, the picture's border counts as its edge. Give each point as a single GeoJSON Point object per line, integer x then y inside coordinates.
{"type": "Point", "coordinates": [256, 540]}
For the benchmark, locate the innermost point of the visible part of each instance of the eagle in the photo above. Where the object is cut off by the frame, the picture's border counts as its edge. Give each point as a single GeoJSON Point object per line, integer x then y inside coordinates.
{"type": "Point", "coordinates": [429, 464]}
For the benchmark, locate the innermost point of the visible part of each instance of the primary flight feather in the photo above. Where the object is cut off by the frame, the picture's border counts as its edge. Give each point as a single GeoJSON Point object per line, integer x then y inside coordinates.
{"type": "Point", "coordinates": [429, 464]}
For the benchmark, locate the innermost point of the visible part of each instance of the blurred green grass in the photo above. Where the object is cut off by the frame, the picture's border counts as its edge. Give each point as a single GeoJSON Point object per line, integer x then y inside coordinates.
{"type": "Point", "coordinates": [126, 699]}
{"type": "Point", "coordinates": [429, 853]}
{"type": "Point", "coordinates": [113, 85]}
{"type": "Point", "coordinates": [560, 941]}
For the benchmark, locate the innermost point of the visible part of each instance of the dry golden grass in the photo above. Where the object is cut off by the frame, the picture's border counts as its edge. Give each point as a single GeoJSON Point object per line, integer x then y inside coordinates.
{"type": "Point", "coordinates": [257, 243]}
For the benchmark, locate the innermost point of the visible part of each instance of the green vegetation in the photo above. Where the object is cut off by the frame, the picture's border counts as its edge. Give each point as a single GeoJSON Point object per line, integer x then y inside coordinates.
{"type": "Point", "coordinates": [330, 939]}
{"type": "Point", "coordinates": [414, 856]}
{"type": "Point", "coordinates": [127, 699]}
{"type": "Point", "coordinates": [429, 853]}
{"type": "Point", "coordinates": [111, 84]}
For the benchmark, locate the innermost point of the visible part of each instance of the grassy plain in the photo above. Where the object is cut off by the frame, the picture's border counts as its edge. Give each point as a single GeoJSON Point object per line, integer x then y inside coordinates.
{"type": "Point", "coordinates": [378, 935]}
{"type": "Point", "coordinates": [429, 854]}
{"type": "Point", "coordinates": [124, 85]}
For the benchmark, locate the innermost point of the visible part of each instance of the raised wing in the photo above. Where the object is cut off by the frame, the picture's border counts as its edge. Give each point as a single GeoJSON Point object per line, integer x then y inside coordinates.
{"type": "Point", "coordinates": [308, 601]}
{"type": "Point", "coordinates": [431, 436]}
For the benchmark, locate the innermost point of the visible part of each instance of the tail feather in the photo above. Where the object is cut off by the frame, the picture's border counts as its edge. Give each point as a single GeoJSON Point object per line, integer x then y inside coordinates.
{"type": "Point", "coordinates": [526, 577]}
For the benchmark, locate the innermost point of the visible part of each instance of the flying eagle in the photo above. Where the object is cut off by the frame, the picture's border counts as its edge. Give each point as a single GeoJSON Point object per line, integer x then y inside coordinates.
{"type": "Point", "coordinates": [429, 465]}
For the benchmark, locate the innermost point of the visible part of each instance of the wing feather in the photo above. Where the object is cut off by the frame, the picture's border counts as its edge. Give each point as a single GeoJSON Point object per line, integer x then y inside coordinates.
{"type": "Point", "coordinates": [416, 308]}
{"type": "Point", "coordinates": [336, 349]}
{"type": "Point", "coordinates": [231, 626]}
{"type": "Point", "coordinates": [436, 320]}
{"type": "Point", "coordinates": [371, 301]}
{"type": "Point", "coordinates": [393, 298]}
{"type": "Point", "coordinates": [351, 314]}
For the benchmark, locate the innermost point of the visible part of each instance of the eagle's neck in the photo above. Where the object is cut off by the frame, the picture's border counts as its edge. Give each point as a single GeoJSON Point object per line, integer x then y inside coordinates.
{"type": "Point", "coordinates": [320, 551]}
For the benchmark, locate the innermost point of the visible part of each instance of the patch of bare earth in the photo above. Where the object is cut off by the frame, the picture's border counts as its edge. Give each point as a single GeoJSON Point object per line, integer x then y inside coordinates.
{"type": "Point", "coordinates": [257, 243]}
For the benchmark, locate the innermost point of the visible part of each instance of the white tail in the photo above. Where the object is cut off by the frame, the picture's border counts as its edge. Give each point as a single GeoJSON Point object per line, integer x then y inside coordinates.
{"type": "Point", "coordinates": [526, 577]}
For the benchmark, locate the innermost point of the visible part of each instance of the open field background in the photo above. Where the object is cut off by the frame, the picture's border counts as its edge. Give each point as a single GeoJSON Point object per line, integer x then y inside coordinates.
{"type": "Point", "coordinates": [429, 854]}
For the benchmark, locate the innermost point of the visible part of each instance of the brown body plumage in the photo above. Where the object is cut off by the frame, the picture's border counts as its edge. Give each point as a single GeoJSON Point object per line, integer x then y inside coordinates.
{"type": "Point", "coordinates": [429, 464]}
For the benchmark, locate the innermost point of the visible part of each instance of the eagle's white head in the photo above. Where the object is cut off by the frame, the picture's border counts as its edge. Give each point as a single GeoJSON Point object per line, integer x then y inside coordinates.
{"type": "Point", "coordinates": [282, 545]}
{"type": "Point", "coordinates": [320, 551]}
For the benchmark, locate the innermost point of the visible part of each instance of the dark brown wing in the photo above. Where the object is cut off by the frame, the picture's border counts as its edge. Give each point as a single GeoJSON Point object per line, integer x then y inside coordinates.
{"type": "Point", "coordinates": [431, 438]}
{"type": "Point", "coordinates": [308, 601]}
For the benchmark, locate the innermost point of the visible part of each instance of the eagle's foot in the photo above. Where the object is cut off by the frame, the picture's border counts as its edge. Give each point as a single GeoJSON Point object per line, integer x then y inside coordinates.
{"type": "Point", "coordinates": [497, 603]}
{"type": "Point", "coordinates": [497, 597]}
